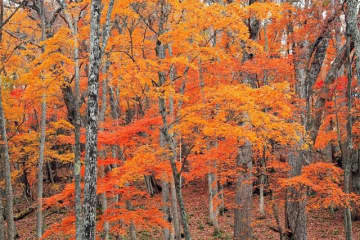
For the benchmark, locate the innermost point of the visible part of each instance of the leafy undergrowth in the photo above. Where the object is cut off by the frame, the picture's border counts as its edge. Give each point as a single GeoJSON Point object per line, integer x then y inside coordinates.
{"type": "Point", "coordinates": [322, 224]}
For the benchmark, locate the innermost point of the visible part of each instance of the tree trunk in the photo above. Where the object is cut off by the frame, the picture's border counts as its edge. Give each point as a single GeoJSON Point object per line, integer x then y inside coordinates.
{"type": "Point", "coordinates": [221, 199]}
{"type": "Point", "coordinates": [356, 182]}
{"type": "Point", "coordinates": [102, 153]}
{"type": "Point", "coordinates": [89, 205]}
{"type": "Point", "coordinates": [175, 212]}
{"type": "Point", "coordinates": [213, 190]}
{"type": "Point", "coordinates": [11, 231]}
{"type": "Point", "coordinates": [184, 219]}
{"type": "Point", "coordinates": [165, 207]}
{"type": "Point", "coordinates": [39, 222]}
{"type": "Point", "coordinates": [115, 113]}
{"type": "Point", "coordinates": [75, 119]}
{"type": "Point", "coordinates": [165, 196]}
{"type": "Point", "coordinates": [2, 209]}
{"type": "Point", "coordinates": [77, 162]}
{"type": "Point", "coordinates": [176, 175]}
{"type": "Point", "coordinates": [104, 202]}
{"type": "Point", "coordinates": [307, 68]}
{"type": "Point", "coordinates": [40, 219]}
{"type": "Point", "coordinates": [295, 215]}
{"type": "Point", "coordinates": [114, 105]}
{"type": "Point", "coordinates": [262, 184]}
{"type": "Point", "coordinates": [353, 30]}
{"type": "Point", "coordinates": [242, 216]}
{"type": "Point", "coordinates": [275, 209]}
{"type": "Point", "coordinates": [50, 173]}
{"type": "Point", "coordinates": [132, 229]}
{"type": "Point", "coordinates": [243, 192]}
{"type": "Point", "coordinates": [174, 206]}
{"type": "Point", "coordinates": [351, 19]}
{"type": "Point", "coordinates": [263, 158]}
{"type": "Point", "coordinates": [152, 187]}
{"type": "Point", "coordinates": [171, 143]}
{"type": "Point", "coordinates": [2, 227]}
{"type": "Point", "coordinates": [211, 176]}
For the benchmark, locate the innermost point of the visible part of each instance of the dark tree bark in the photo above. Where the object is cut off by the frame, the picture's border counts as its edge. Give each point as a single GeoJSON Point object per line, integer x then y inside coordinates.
{"type": "Point", "coordinates": [69, 100]}
{"type": "Point", "coordinates": [151, 184]}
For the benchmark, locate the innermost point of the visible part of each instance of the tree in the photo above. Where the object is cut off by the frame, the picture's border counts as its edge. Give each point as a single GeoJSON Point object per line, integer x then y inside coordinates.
{"type": "Point", "coordinates": [242, 224]}
{"type": "Point", "coordinates": [348, 149]}
{"type": "Point", "coordinates": [8, 186]}
{"type": "Point", "coordinates": [11, 229]}
{"type": "Point", "coordinates": [89, 205]}
{"type": "Point", "coordinates": [2, 227]}
{"type": "Point", "coordinates": [39, 223]}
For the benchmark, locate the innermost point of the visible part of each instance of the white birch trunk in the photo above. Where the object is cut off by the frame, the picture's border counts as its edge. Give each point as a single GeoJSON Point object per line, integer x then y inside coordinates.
{"type": "Point", "coordinates": [89, 205]}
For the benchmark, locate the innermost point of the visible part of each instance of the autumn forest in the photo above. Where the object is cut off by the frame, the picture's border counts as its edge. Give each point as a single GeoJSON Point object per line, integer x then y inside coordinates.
{"type": "Point", "coordinates": [179, 119]}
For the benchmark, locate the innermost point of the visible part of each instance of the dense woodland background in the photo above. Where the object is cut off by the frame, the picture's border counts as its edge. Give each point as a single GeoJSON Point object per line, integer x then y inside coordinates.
{"type": "Point", "coordinates": [171, 119]}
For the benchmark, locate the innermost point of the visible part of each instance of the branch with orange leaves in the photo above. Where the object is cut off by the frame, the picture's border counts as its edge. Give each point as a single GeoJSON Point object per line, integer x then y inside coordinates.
{"type": "Point", "coordinates": [22, 4]}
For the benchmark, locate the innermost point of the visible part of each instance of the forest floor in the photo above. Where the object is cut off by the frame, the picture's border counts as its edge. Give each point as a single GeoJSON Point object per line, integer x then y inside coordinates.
{"type": "Point", "coordinates": [322, 224]}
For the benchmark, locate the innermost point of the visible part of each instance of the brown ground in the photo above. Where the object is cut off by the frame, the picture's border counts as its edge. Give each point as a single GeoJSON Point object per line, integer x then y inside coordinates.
{"type": "Point", "coordinates": [321, 223]}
